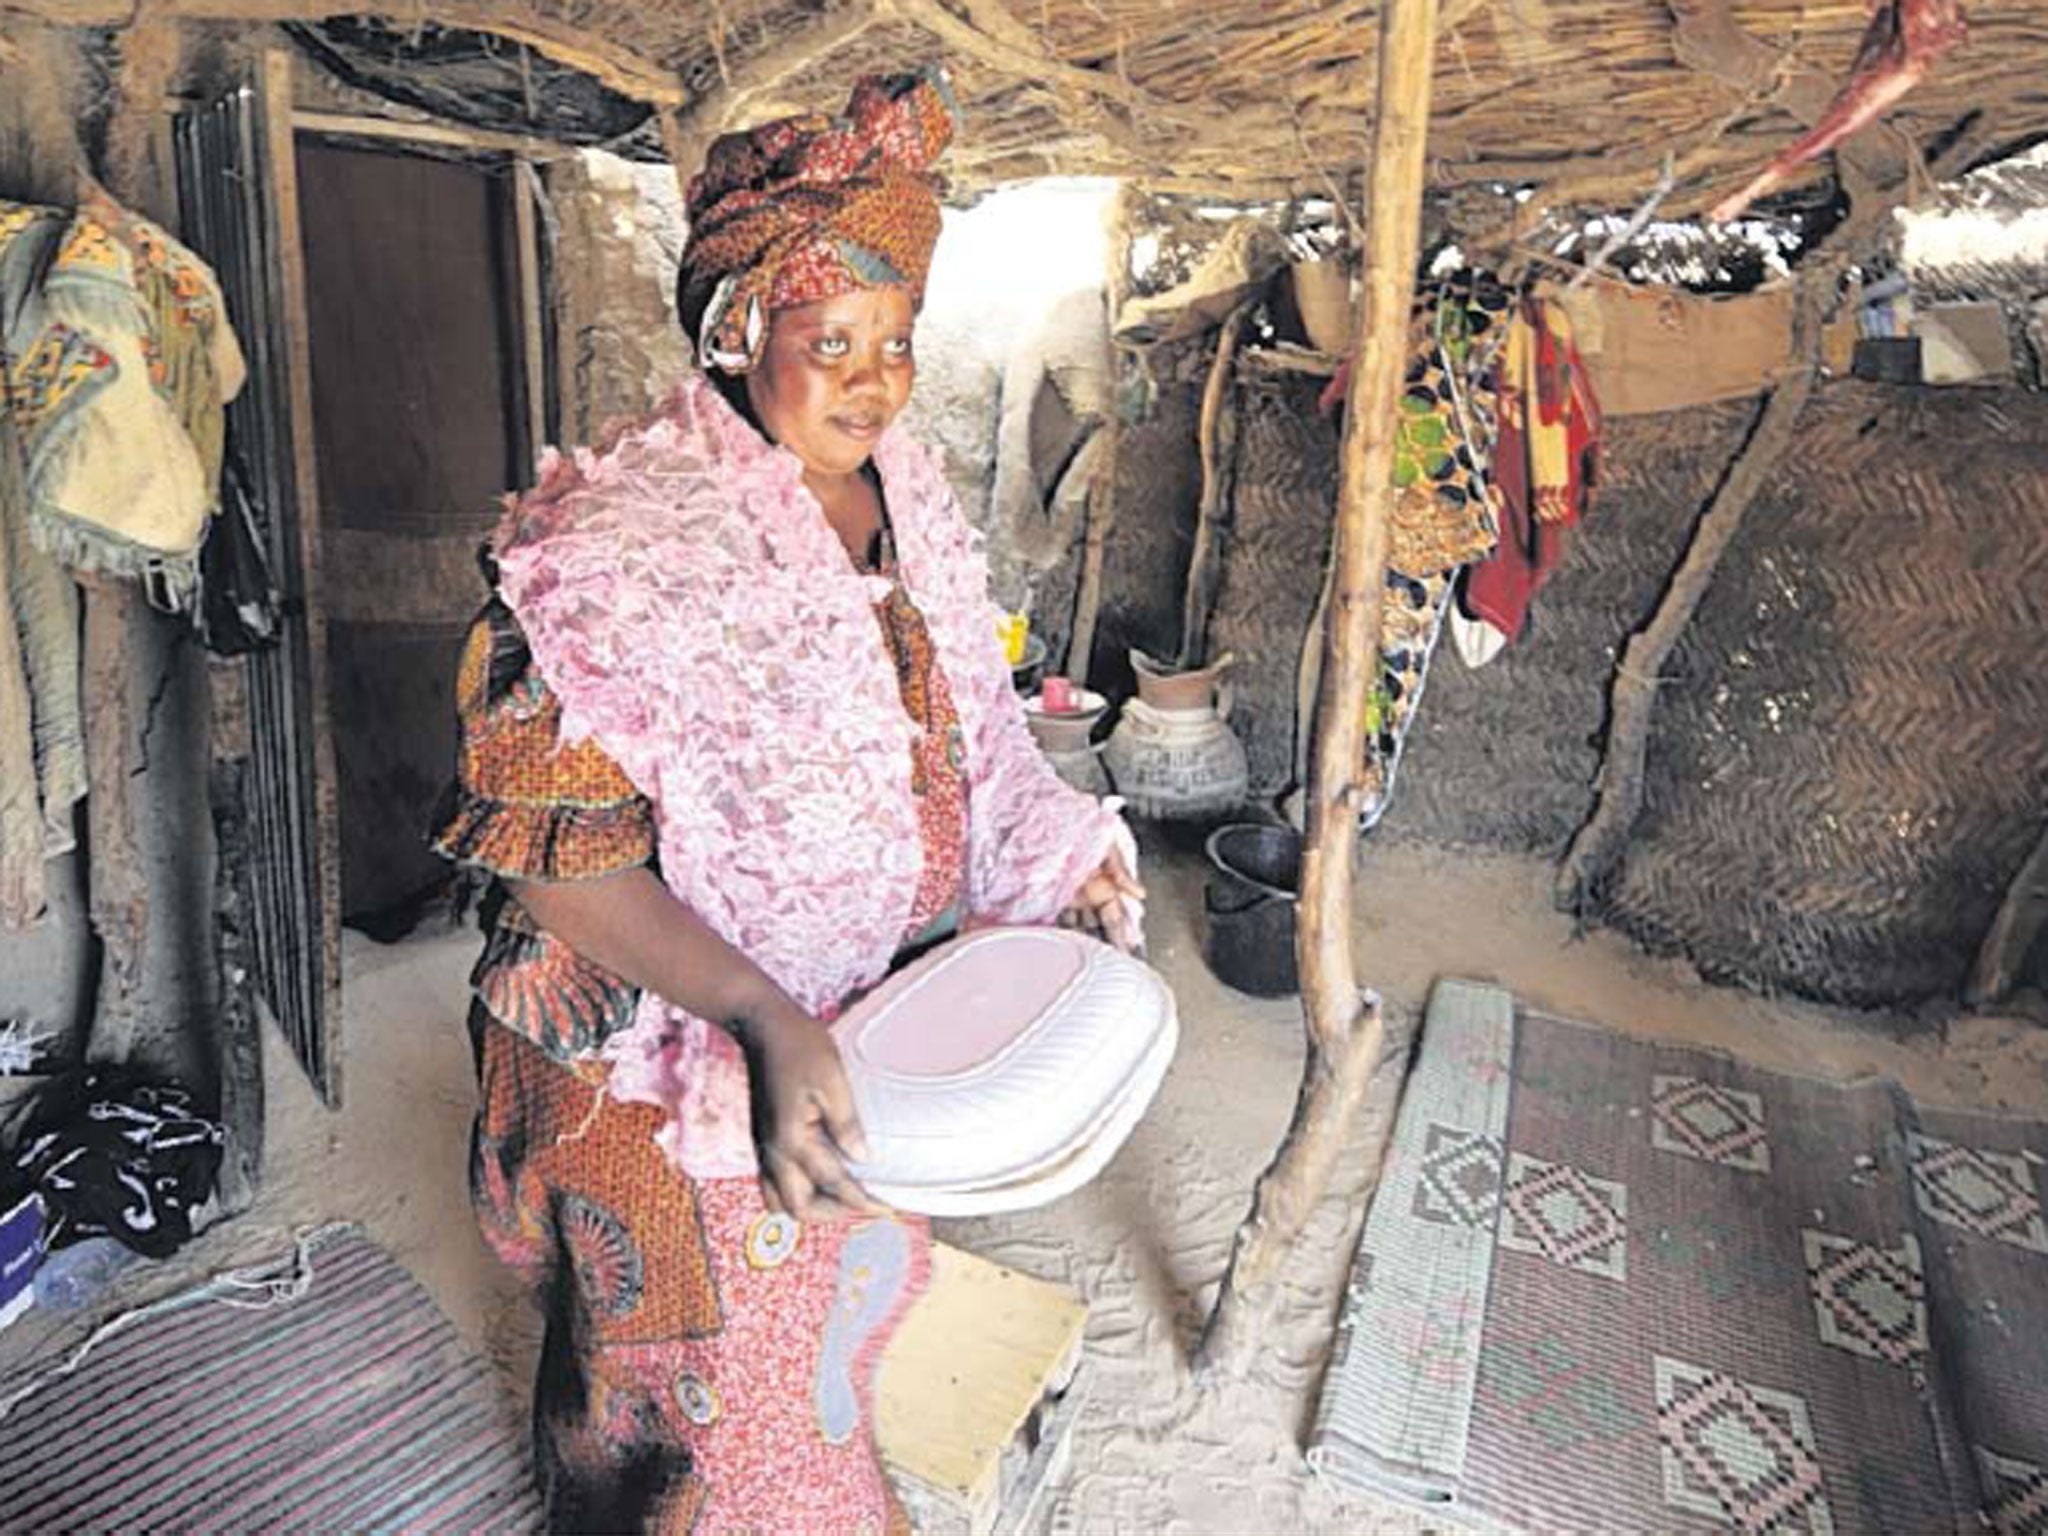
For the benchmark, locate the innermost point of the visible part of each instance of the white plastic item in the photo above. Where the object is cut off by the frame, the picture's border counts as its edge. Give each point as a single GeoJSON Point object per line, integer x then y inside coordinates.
{"type": "Point", "coordinates": [1004, 1069]}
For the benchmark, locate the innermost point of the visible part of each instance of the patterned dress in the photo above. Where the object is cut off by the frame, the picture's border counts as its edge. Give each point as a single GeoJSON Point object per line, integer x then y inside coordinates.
{"type": "Point", "coordinates": [707, 1363]}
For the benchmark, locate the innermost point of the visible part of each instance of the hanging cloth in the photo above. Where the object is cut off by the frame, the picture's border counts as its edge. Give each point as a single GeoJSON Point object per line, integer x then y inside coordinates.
{"type": "Point", "coordinates": [1445, 511]}
{"type": "Point", "coordinates": [1545, 464]}
{"type": "Point", "coordinates": [116, 362]}
{"type": "Point", "coordinates": [195, 359]}
{"type": "Point", "coordinates": [114, 481]}
{"type": "Point", "coordinates": [42, 734]}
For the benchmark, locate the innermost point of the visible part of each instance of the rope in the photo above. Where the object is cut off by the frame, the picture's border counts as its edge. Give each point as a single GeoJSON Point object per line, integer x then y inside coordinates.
{"type": "Point", "coordinates": [253, 1288]}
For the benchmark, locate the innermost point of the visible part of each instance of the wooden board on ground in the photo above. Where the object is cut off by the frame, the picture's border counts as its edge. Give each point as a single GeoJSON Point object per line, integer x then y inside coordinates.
{"type": "Point", "coordinates": [975, 1395]}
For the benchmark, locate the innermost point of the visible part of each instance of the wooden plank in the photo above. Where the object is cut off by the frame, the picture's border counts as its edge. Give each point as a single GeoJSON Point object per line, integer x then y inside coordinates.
{"type": "Point", "coordinates": [444, 135]}
{"type": "Point", "coordinates": [973, 1396]}
{"type": "Point", "coordinates": [532, 327]}
{"type": "Point", "coordinates": [281, 155]}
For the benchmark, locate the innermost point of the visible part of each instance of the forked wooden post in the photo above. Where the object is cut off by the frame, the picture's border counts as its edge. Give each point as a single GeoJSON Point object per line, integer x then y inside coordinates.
{"type": "Point", "coordinates": [1345, 1030]}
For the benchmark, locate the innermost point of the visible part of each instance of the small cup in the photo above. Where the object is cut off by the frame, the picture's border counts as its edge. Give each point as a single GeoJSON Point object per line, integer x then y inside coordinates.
{"type": "Point", "coordinates": [1059, 696]}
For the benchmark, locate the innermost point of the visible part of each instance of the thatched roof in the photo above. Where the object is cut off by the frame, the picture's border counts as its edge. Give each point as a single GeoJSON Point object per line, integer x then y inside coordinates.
{"type": "Point", "coordinates": [1264, 97]}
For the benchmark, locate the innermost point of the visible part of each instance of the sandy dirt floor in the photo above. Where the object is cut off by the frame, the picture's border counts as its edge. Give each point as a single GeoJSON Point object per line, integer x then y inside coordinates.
{"type": "Point", "coordinates": [1146, 1244]}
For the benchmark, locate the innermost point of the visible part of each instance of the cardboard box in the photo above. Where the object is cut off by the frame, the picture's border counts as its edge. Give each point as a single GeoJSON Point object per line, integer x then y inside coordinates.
{"type": "Point", "coordinates": [1963, 344]}
{"type": "Point", "coordinates": [21, 1255]}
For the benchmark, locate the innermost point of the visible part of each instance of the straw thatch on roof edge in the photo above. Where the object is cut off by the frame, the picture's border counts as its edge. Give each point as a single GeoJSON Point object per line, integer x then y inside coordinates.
{"type": "Point", "coordinates": [1254, 97]}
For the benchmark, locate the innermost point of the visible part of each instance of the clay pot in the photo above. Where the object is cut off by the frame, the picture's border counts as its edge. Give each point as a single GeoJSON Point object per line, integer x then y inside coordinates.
{"type": "Point", "coordinates": [1068, 741]}
{"type": "Point", "coordinates": [1173, 754]}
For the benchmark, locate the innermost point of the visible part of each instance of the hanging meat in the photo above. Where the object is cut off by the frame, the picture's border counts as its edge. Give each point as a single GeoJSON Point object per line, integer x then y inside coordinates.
{"type": "Point", "coordinates": [1903, 40]}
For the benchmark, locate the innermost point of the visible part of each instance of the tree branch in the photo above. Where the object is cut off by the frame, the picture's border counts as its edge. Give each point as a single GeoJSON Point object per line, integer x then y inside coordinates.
{"type": "Point", "coordinates": [628, 73]}
{"type": "Point", "coordinates": [1596, 849]}
{"type": "Point", "coordinates": [1618, 791]}
{"type": "Point", "coordinates": [1216, 440]}
{"type": "Point", "coordinates": [1345, 1029]}
{"type": "Point", "coordinates": [1028, 61]}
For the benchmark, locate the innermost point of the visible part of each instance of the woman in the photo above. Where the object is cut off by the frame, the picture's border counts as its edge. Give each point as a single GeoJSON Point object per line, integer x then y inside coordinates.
{"type": "Point", "coordinates": [736, 737]}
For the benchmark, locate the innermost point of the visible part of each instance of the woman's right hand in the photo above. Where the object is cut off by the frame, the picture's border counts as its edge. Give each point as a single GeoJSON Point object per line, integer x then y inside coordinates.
{"type": "Point", "coordinates": [804, 1122]}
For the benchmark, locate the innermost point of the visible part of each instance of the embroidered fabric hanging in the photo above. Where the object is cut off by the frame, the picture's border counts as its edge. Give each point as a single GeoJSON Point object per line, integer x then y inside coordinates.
{"type": "Point", "coordinates": [1546, 465]}
{"type": "Point", "coordinates": [118, 360]}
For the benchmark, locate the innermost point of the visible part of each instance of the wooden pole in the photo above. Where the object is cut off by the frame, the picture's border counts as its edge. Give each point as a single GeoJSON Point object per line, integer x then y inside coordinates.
{"type": "Point", "coordinates": [1216, 436]}
{"type": "Point", "coordinates": [129, 1025]}
{"type": "Point", "coordinates": [1596, 848]}
{"type": "Point", "coordinates": [1345, 1030]}
{"type": "Point", "coordinates": [2021, 916]}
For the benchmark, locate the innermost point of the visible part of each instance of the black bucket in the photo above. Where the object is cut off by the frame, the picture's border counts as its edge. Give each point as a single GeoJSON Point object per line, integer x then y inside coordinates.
{"type": "Point", "coordinates": [1248, 907]}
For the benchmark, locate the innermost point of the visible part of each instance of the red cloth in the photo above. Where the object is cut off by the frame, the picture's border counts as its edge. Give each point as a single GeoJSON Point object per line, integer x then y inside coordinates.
{"type": "Point", "coordinates": [1545, 461]}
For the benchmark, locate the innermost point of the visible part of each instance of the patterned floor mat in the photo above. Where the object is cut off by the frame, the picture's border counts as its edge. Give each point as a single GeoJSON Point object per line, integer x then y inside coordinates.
{"type": "Point", "coordinates": [1611, 1284]}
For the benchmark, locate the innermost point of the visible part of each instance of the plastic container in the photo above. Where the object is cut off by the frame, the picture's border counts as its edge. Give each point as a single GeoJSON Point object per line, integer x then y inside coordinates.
{"type": "Point", "coordinates": [1004, 1069]}
{"type": "Point", "coordinates": [73, 1276]}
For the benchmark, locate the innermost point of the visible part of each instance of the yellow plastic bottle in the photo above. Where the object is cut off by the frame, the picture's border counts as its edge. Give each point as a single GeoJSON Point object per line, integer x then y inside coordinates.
{"type": "Point", "coordinates": [1014, 629]}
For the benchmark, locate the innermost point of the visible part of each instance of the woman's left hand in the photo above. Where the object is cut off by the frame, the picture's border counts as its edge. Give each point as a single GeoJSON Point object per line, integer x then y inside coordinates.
{"type": "Point", "coordinates": [1100, 904]}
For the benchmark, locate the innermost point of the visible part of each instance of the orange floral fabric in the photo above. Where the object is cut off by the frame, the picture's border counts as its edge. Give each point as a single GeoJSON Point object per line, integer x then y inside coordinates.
{"type": "Point", "coordinates": [708, 1364]}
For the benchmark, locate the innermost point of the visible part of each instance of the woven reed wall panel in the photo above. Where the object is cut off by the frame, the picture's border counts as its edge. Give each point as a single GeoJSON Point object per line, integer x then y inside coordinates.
{"type": "Point", "coordinates": [1850, 762]}
{"type": "Point", "coordinates": [1504, 757]}
{"type": "Point", "coordinates": [1286, 499]}
{"type": "Point", "coordinates": [1158, 495]}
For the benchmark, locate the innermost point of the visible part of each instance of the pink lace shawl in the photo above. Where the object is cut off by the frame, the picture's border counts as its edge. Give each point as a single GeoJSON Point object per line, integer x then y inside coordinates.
{"type": "Point", "coordinates": [695, 615]}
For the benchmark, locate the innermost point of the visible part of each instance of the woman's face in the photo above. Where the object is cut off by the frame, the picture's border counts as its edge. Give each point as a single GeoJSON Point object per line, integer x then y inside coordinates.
{"type": "Point", "coordinates": [833, 376]}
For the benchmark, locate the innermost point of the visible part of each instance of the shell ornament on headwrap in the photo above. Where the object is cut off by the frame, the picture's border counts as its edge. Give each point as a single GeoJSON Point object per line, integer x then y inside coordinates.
{"type": "Point", "coordinates": [808, 208]}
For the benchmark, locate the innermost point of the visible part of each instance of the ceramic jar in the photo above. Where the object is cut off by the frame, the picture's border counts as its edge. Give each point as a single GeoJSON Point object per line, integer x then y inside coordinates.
{"type": "Point", "coordinates": [1067, 740]}
{"type": "Point", "coordinates": [1173, 754]}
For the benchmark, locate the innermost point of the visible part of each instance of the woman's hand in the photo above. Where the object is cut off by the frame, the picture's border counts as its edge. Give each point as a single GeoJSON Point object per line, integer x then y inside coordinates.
{"type": "Point", "coordinates": [1099, 905]}
{"type": "Point", "coordinates": [804, 1122]}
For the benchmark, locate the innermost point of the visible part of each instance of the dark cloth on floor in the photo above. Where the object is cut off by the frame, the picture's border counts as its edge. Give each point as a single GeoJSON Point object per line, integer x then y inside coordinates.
{"type": "Point", "coordinates": [114, 1155]}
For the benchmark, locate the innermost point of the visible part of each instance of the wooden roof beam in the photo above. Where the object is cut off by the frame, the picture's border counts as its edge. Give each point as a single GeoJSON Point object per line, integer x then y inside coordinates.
{"type": "Point", "coordinates": [1011, 56]}
{"type": "Point", "coordinates": [1707, 39]}
{"type": "Point", "coordinates": [628, 73]}
{"type": "Point", "coordinates": [687, 132]}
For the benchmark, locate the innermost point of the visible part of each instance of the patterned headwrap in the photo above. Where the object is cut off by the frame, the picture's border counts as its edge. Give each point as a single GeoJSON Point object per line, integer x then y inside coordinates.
{"type": "Point", "coordinates": [807, 208]}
